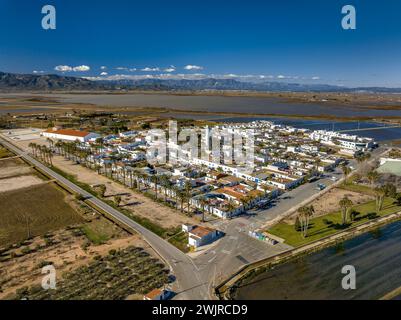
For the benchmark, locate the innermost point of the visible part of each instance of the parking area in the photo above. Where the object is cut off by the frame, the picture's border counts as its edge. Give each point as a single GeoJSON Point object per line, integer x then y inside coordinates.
{"type": "Point", "coordinates": [22, 134]}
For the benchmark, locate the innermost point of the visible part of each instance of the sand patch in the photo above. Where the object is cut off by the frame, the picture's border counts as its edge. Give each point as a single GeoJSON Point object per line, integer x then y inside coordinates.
{"type": "Point", "coordinates": [20, 182]}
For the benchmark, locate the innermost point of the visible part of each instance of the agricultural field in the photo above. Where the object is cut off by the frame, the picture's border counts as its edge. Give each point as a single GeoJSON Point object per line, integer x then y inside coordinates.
{"type": "Point", "coordinates": [119, 275]}
{"type": "Point", "coordinates": [33, 211]}
{"type": "Point", "coordinates": [41, 224]}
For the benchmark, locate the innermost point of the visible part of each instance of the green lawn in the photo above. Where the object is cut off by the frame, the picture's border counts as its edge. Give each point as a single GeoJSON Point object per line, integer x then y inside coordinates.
{"type": "Point", "coordinates": [319, 228]}
{"type": "Point", "coordinates": [95, 236]}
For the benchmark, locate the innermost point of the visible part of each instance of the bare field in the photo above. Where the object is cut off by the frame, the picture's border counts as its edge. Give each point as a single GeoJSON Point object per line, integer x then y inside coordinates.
{"type": "Point", "coordinates": [133, 201]}
{"type": "Point", "coordinates": [329, 202]}
{"type": "Point", "coordinates": [15, 183]}
{"type": "Point", "coordinates": [13, 167]}
{"type": "Point", "coordinates": [34, 211]}
{"type": "Point", "coordinates": [137, 203]}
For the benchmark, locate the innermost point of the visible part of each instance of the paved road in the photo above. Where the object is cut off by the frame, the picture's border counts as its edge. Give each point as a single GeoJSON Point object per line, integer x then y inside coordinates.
{"type": "Point", "coordinates": [196, 276]}
{"type": "Point", "coordinates": [189, 282]}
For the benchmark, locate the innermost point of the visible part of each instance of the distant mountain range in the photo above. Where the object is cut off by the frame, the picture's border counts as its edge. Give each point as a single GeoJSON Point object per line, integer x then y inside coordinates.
{"type": "Point", "coordinates": [28, 82]}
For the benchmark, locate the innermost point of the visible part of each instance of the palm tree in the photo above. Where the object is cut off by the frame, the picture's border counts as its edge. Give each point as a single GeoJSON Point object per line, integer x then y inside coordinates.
{"type": "Point", "coordinates": [181, 197]}
{"type": "Point", "coordinates": [346, 171]}
{"type": "Point", "coordinates": [50, 142]}
{"type": "Point", "coordinates": [203, 202]}
{"type": "Point", "coordinates": [155, 179]}
{"type": "Point", "coordinates": [305, 213]}
{"type": "Point", "coordinates": [380, 194]}
{"type": "Point", "coordinates": [187, 191]}
{"type": "Point", "coordinates": [345, 204]}
{"type": "Point", "coordinates": [58, 146]}
{"type": "Point", "coordinates": [372, 176]}
{"type": "Point", "coordinates": [32, 146]}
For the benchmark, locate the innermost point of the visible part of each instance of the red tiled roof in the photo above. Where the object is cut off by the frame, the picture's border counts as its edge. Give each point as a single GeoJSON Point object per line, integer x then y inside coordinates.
{"type": "Point", "coordinates": [200, 231]}
{"type": "Point", "coordinates": [153, 294]}
{"type": "Point", "coordinates": [68, 132]}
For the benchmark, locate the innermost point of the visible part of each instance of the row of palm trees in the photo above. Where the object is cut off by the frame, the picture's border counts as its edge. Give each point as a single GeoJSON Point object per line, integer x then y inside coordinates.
{"type": "Point", "coordinates": [126, 175]}
{"type": "Point", "coordinates": [42, 153]}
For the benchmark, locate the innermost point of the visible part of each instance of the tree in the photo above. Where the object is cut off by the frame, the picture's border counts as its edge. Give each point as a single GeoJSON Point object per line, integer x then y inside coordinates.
{"type": "Point", "coordinates": [345, 204]}
{"type": "Point", "coordinates": [398, 199]}
{"type": "Point", "coordinates": [372, 176]}
{"type": "Point", "coordinates": [230, 207]}
{"type": "Point", "coordinates": [390, 190]}
{"type": "Point", "coordinates": [187, 191]}
{"type": "Point", "coordinates": [155, 180]}
{"type": "Point", "coordinates": [265, 188]}
{"type": "Point", "coordinates": [346, 171]}
{"type": "Point", "coordinates": [297, 224]}
{"type": "Point", "coordinates": [305, 213]}
{"type": "Point", "coordinates": [203, 202]}
{"type": "Point", "coordinates": [380, 194]}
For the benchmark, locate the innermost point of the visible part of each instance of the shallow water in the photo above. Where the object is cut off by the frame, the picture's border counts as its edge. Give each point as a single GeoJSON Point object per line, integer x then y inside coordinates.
{"type": "Point", "coordinates": [260, 105]}
{"type": "Point", "coordinates": [376, 257]}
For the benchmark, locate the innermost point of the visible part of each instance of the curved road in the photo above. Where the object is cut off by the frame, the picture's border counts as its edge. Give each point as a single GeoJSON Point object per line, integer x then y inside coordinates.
{"type": "Point", "coordinates": [189, 282]}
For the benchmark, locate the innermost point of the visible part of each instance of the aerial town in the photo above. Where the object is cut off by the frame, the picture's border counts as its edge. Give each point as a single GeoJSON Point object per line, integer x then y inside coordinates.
{"type": "Point", "coordinates": [211, 154]}
{"type": "Point", "coordinates": [285, 158]}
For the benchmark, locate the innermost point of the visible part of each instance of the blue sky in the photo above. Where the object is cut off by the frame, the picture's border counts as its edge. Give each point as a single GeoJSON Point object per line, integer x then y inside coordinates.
{"type": "Point", "coordinates": [286, 40]}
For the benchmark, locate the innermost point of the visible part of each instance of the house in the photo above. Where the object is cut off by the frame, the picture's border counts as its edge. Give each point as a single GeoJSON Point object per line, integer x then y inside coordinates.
{"type": "Point", "coordinates": [156, 294]}
{"type": "Point", "coordinates": [199, 236]}
{"type": "Point", "coordinates": [69, 135]}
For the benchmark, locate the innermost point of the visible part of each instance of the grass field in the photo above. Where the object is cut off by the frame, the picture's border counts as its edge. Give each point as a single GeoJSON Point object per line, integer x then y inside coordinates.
{"type": "Point", "coordinates": [320, 227]}
{"type": "Point", "coordinates": [34, 211]}
{"type": "Point", "coordinates": [95, 235]}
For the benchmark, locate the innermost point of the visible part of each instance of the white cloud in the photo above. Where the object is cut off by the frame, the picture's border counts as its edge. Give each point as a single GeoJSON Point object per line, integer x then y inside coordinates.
{"type": "Point", "coordinates": [37, 72]}
{"type": "Point", "coordinates": [256, 78]}
{"type": "Point", "coordinates": [63, 68]}
{"type": "Point", "coordinates": [103, 67]}
{"type": "Point", "coordinates": [132, 70]}
{"type": "Point", "coordinates": [104, 74]}
{"type": "Point", "coordinates": [82, 68]}
{"type": "Point", "coordinates": [170, 69]}
{"type": "Point", "coordinates": [147, 69]}
{"type": "Point", "coordinates": [315, 78]}
{"type": "Point", "coordinates": [121, 68]}
{"type": "Point", "coordinates": [192, 67]}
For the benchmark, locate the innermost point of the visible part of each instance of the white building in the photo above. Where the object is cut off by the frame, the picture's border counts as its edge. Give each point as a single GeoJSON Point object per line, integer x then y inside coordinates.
{"type": "Point", "coordinates": [199, 236]}
{"type": "Point", "coordinates": [70, 135]}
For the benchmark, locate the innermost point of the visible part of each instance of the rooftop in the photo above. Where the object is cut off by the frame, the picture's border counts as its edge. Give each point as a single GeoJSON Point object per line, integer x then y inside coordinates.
{"type": "Point", "coordinates": [68, 132]}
